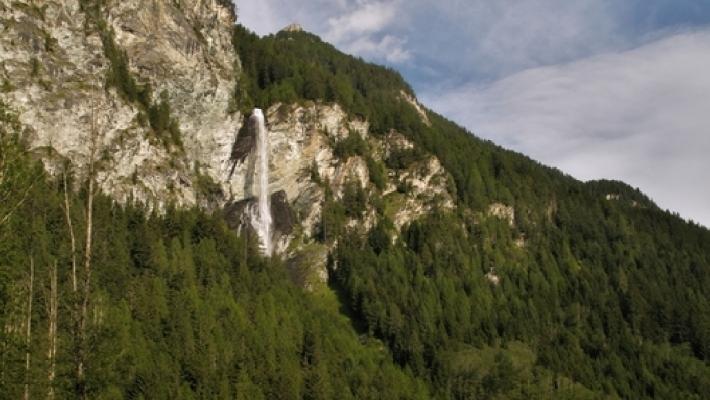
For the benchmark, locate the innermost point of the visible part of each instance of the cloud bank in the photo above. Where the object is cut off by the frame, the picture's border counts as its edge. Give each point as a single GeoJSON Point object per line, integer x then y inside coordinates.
{"type": "Point", "coordinates": [361, 27]}
{"type": "Point", "coordinates": [641, 116]}
{"type": "Point", "coordinates": [359, 31]}
{"type": "Point", "coordinates": [598, 88]}
{"type": "Point", "coordinates": [446, 42]}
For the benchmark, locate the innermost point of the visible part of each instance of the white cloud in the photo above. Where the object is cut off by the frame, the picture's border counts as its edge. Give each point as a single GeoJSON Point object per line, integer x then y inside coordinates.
{"type": "Point", "coordinates": [365, 19]}
{"type": "Point", "coordinates": [635, 115]}
{"type": "Point", "coordinates": [504, 36]}
{"type": "Point", "coordinates": [258, 15]}
{"type": "Point", "coordinates": [361, 31]}
{"type": "Point", "coordinates": [362, 27]}
{"type": "Point", "coordinates": [269, 16]}
{"type": "Point", "coordinates": [641, 116]}
{"type": "Point", "coordinates": [388, 48]}
{"type": "Point", "coordinates": [489, 38]}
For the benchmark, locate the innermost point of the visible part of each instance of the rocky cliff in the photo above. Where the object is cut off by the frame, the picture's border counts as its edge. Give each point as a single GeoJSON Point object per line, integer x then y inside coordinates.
{"type": "Point", "coordinates": [57, 60]}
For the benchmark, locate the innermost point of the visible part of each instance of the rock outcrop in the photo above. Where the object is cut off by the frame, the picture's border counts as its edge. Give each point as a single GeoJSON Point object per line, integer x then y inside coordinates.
{"type": "Point", "coordinates": [502, 211]}
{"type": "Point", "coordinates": [295, 27]}
{"type": "Point", "coordinates": [55, 68]}
{"type": "Point", "coordinates": [53, 73]}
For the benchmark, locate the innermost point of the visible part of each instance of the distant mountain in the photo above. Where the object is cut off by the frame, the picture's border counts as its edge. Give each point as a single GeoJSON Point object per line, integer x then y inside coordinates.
{"type": "Point", "coordinates": [411, 258]}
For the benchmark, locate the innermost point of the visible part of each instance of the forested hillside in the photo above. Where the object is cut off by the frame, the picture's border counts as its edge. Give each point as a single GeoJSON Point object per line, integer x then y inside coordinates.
{"type": "Point", "coordinates": [532, 285]}
{"type": "Point", "coordinates": [598, 290]}
{"type": "Point", "coordinates": [180, 306]}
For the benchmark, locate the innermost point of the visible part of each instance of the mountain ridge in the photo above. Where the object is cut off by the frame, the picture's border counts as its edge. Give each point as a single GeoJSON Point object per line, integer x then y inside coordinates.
{"type": "Point", "coordinates": [414, 260]}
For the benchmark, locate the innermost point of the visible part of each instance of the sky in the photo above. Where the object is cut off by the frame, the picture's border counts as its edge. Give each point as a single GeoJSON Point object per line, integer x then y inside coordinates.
{"type": "Point", "coordinates": [597, 88]}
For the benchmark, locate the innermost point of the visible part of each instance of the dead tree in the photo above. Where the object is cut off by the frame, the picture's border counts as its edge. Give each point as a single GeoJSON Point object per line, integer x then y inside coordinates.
{"type": "Point", "coordinates": [67, 214]}
{"type": "Point", "coordinates": [86, 285]}
{"type": "Point", "coordinates": [28, 337]}
{"type": "Point", "coordinates": [53, 314]}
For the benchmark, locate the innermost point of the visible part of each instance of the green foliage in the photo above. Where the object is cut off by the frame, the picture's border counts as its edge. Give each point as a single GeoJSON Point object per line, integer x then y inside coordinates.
{"type": "Point", "coordinates": [50, 43]}
{"type": "Point", "coordinates": [181, 308]}
{"type": "Point", "coordinates": [34, 67]}
{"type": "Point", "coordinates": [403, 158]}
{"type": "Point", "coordinates": [604, 299]}
{"type": "Point", "coordinates": [379, 237]}
{"type": "Point", "coordinates": [351, 145]}
{"type": "Point", "coordinates": [164, 126]}
{"type": "Point", "coordinates": [229, 5]}
{"type": "Point", "coordinates": [354, 199]}
{"type": "Point", "coordinates": [609, 296]}
{"type": "Point", "coordinates": [314, 174]}
{"type": "Point", "coordinates": [9, 123]}
{"type": "Point", "coordinates": [119, 75]}
{"type": "Point", "coordinates": [17, 173]}
{"type": "Point", "coordinates": [207, 188]}
{"type": "Point", "coordinates": [6, 86]}
{"type": "Point", "coordinates": [33, 10]}
{"type": "Point", "coordinates": [295, 66]}
{"type": "Point", "coordinates": [427, 296]}
{"type": "Point", "coordinates": [292, 66]}
{"type": "Point", "coordinates": [377, 172]}
{"type": "Point", "coordinates": [355, 145]}
{"type": "Point", "coordinates": [333, 218]}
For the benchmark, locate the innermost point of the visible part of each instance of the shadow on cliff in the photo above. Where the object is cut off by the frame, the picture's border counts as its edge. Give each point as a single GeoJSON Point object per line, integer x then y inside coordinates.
{"type": "Point", "coordinates": [243, 150]}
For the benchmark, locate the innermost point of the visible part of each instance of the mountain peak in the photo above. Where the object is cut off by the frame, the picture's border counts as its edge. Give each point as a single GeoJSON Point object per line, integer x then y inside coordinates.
{"type": "Point", "coordinates": [294, 27]}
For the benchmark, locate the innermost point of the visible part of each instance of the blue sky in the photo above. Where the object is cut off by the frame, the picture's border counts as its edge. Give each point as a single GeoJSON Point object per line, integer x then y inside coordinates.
{"type": "Point", "coordinates": [598, 88]}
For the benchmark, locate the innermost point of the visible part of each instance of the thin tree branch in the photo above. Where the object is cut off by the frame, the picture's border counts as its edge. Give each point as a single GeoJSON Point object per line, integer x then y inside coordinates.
{"type": "Point", "coordinates": [28, 338]}
{"type": "Point", "coordinates": [67, 214]}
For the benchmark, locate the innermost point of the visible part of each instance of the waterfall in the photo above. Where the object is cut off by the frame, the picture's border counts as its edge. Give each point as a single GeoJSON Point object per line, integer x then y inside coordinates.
{"type": "Point", "coordinates": [261, 219]}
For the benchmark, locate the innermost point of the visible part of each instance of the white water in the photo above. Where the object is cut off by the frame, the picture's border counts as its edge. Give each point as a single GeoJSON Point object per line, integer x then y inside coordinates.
{"type": "Point", "coordinates": [263, 222]}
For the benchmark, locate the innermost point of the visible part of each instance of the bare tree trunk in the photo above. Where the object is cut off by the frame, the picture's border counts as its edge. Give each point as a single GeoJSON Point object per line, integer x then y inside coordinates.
{"type": "Point", "coordinates": [86, 287]}
{"type": "Point", "coordinates": [52, 334]}
{"type": "Point", "coordinates": [2, 357]}
{"type": "Point", "coordinates": [85, 298]}
{"type": "Point", "coordinates": [28, 338]}
{"type": "Point", "coordinates": [17, 205]}
{"type": "Point", "coordinates": [71, 233]}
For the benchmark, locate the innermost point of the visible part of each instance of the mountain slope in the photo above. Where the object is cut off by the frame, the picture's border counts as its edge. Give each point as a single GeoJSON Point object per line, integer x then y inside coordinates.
{"type": "Point", "coordinates": [464, 270]}
{"type": "Point", "coordinates": [592, 277]}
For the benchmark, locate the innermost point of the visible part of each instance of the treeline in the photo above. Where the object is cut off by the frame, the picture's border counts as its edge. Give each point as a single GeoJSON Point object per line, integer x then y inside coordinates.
{"type": "Point", "coordinates": [292, 66]}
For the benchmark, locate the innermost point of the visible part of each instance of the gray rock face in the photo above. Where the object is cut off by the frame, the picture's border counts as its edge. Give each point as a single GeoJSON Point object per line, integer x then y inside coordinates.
{"type": "Point", "coordinates": [293, 28]}
{"type": "Point", "coordinates": [56, 72]}
{"type": "Point", "coordinates": [53, 72]}
{"type": "Point", "coordinates": [502, 211]}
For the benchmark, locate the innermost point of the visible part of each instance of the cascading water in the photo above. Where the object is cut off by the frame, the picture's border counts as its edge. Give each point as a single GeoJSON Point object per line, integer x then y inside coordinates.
{"type": "Point", "coordinates": [261, 219]}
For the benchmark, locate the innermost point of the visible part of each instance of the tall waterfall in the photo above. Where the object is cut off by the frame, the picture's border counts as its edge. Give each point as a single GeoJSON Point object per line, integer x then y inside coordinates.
{"type": "Point", "coordinates": [262, 217]}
